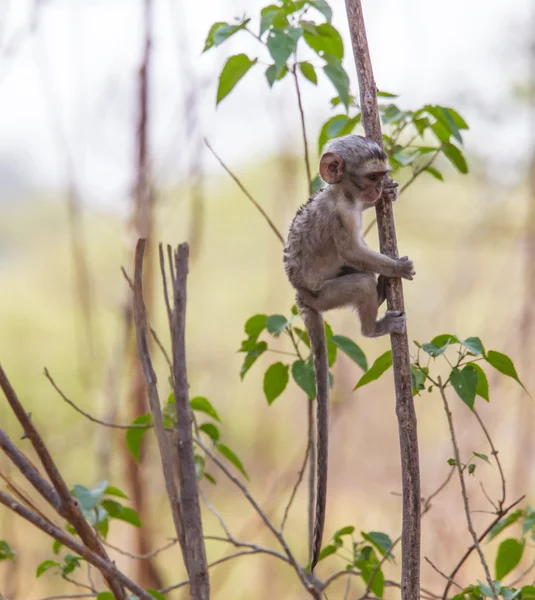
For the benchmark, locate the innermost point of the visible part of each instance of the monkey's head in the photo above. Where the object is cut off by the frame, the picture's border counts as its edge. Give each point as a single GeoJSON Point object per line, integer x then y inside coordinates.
{"type": "Point", "coordinates": [356, 164]}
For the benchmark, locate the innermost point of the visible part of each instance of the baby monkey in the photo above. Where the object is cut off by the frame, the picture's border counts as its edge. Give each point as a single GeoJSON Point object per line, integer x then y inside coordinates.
{"type": "Point", "coordinates": [330, 266]}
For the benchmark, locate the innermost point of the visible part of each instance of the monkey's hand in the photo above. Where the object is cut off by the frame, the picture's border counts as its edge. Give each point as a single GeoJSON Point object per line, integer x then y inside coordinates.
{"type": "Point", "coordinates": [405, 268]}
{"type": "Point", "coordinates": [390, 189]}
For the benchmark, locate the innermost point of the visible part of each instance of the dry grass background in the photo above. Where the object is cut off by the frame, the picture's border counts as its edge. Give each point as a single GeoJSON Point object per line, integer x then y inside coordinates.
{"type": "Point", "coordinates": [466, 240]}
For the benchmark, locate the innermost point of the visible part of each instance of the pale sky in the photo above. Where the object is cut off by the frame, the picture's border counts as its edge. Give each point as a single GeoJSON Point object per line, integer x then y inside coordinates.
{"type": "Point", "coordinates": [69, 88]}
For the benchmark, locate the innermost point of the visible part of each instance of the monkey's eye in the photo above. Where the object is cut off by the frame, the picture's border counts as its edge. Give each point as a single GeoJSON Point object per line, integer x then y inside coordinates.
{"type": "Point", "coordinates": [372, 176]}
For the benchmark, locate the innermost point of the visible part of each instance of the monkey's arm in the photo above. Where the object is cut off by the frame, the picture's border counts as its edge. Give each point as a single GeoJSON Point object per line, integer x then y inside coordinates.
{"type": "Point", "coordinates": [353, 251]}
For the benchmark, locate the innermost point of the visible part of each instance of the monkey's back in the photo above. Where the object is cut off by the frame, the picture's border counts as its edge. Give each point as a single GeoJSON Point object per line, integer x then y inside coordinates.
{"type": "Point", "coordinates": [308, 252]}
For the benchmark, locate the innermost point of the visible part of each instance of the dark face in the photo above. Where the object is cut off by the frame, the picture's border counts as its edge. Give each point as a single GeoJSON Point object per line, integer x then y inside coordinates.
{"type": "Point", "coordinates": [368, 183]}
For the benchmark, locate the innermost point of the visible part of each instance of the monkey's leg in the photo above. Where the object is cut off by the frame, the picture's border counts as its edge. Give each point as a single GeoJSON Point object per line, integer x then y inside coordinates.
{"type": "Point", "coordinates": [358, 290]}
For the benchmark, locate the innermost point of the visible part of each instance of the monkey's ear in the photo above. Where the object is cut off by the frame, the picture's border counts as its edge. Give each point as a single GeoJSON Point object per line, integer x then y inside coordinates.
{"type": "Point", "coordinates": [331, 167]}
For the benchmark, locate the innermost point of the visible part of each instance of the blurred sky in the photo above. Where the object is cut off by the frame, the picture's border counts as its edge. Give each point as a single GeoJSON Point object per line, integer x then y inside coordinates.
{"type": "Point", "coordinates": [68, 90]}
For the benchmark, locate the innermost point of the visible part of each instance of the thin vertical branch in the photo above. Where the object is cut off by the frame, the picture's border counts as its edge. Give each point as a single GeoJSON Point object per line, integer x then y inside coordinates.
{"type": "Point", "coordinates": [140, 317]}
{"type": "Point", "coordinates": [408, 435]}
{"type": "Point", "coordinates": [189, 494]}
{"type": "Point", "coordinates": [303, 129]}
{"type": "Point", "coordinates": [464, 493]}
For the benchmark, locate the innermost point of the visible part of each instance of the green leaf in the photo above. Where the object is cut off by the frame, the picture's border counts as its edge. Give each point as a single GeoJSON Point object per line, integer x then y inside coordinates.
{"type": "Point", "coordinates": [211, 431]}
{"type": "Point", "coordinates": [71, 562]}
{"type": "Point", "coordinates": [135, 435]}
{"type": "Point", "coordinates": [335, 127]}
{"type": "Point", "coordinates": [482, 457]}
{"type": "Point", "coordinates": [434, 172]}
{"type": "Point", "coordinates": [455, 156]}
{"type": "Point", "coordinates": [418, 378]}
{"type": "Point", "coordinates": [219, 32]}
{"type": "Point", "coordinates": [115, 491]}
{"type": "Point", "coordinates": [528, 592]}
{"type": "Point", "coordinates": [327, 551]}
{"type": "Point", "coordinates": [199, 466]}
{"type": "Point", "coordinates": [348, 530]}
{"type": "Point", "coordinates": [85, 496]}
{"type": "Point", "coordinates": [503, 364]}
{"type": "Point", "coordinates": [529, 521]}
{"type": "Point", "coordinates": [105, 596]}
{"type": "Point", "coordinates": [6, 551]}
{"type": "Point", "coordinates": [386, 95]}
{"type": "Point", "coordinates": [367, 562]}
{"type": "Point", "coordinates": [308, 71]}
{"type": "Point", "coordinates": [441, 131]}
{"type": "Point", "coordinates": [281, 46]}
{"type": "Point", "coordinates": [324, 39]}
{"type": "Point", "coordinates": [123, 513]}
{"type": "Point", "coordinates": [465, 383]}
{"type": "Point", "coordinates": [273, 74]}
{"type": "Point", "coordinates": [201, 404]}
{"type": "Point", "coordinates": [482, 388]}
{"type": "Point", "coordinates": [380, 540]}
{"type": "Point", "coordinates": [441, 339]}
{"type": "Point", "coordinates": [434, 350]}
{"type": "Point", "coordinates": [276, 324]}
{"type": "Point", "coordinates": [255, 325]}
{"type": "Point", "coordinates": [459, 121]}
{"type": "Point", "coordinates": [45, 566]}
{"type": "Point", "coordinates": [486, 590]}
{"type": "Point", "coordinates": [272, 15]}
{"type": "Point", "coordinates": [509, 555]}
{"type": "Point", "coordinates": [340, 80]}
{"type": "Point", "coordinates": [251, 357]}
{"type": "Point", "coordinates": [231, 457]}
{"type": "Point", "coordinates": [471, 469]}
{"type": "Point", "coordinates": [303, 374]}
{"type": "Point", "coordinates": [302, 335]}
{"type": "Point", "coordinates": [348, 347]}
{"type": "Point", "coordinates": [235, 68]}
{"type": "Point", "coordinates": [275, 381]}
{"type": "Point", "coordinates": [316, 184]}
{"type": "Point", "coordinates": [504, 523]}
{"type": "Point", "coordinates": [210, 478]}
{"type": "Point", "coordinates": [446, 119]}
{"type": "Point", "coordinates": [331, 348]}
{"type": "Point", "coordinates": [156, 594]}
{"type": "Point", "coordinates": [381, 364]}
{"type": "Point", "coordinates": [509, 594]}
{"type": "Point", "coordinates": [56, 547]}
{"type": "Point", "coordinates": [323, 7]}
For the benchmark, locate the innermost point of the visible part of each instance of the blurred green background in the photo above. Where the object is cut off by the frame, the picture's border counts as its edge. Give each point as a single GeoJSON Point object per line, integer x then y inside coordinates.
{"type": "Point", "coordinates": [72, 122]}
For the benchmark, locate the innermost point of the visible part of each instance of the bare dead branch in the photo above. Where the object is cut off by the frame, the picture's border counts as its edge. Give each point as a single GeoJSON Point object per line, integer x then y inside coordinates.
{"type": "Point", "coordinates": [410, 468]}
{"type": "Point", "coordinates": [86, 414]}
{"type": "Point", "coordinates": [311, 584]}
{"type": "Point", "coordinates": [30, 472]}
{"type": "Point", "coordinates": [105, 566]}
{"type": "Point", "coordinates": [494, 453]}
{"type": "Point", "coordinates": [303, 129]}
{"type": "Point", "coordinates": [481, 537]}
{"type": "Point", "coordinates": [464, 492]}
{"type": "Point", "coordinates": [442, 573]}
{"type": "Point", "coordinates": [189, 494]}
{"type": "Point", "coordinates": [140, 319]}
{"type": "Point", "coordinates": [295, 488]}
{"type": "Point", "coordinates": [242, 188]}
{"type": "Point", "coordinates": [146, 556]}
{"type": "Point", "coordinates": [69, 507]}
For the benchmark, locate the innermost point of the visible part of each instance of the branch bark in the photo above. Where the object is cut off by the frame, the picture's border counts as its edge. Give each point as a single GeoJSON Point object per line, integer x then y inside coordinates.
{"type": "Point", "coordinates": [189, 493]}
{"type": "Point", "coordinates": [410, 470]}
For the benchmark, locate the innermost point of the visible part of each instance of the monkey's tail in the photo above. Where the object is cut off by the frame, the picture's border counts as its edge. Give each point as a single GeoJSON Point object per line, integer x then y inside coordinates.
{"type": "Point", "coordinates": [316, 332]}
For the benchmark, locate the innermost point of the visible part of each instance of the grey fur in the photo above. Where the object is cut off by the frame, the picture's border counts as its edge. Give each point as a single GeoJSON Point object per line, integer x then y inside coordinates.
{"type": "Point", "coordinates": [330, 266]}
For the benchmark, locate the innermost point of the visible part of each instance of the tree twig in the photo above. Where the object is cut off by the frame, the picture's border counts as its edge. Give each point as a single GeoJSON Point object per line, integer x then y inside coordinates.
{"type": "Point", "coordinates": [243, 189]}
{"type": "Point", "coordinates": [464, 493]}
{"type": "Point", "coordinates": [494, 453]}
{"type": "Point", "coordinates": [303, 129]}
{"type": "Point", "coordinates": [140, 319]}
{"type": "Point", "coordinates": [295, 488]}
{"type": "Point", "coordinates": [189, 495]}
{"type": "Point", "coordinates": [105, 566]}
{"type": "Point", "coordinates": [410, 468]}
{"type": "Point", "coordinates": [481, 537]}
{"type": "Point", "coordinates": [69, 506]}
{"type": "Point", "coordinates": [442, 574]}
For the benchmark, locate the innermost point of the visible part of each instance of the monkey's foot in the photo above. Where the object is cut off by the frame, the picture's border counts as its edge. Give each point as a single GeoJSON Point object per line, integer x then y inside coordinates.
{"type": "Point", "coordinates": [395, 320]}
